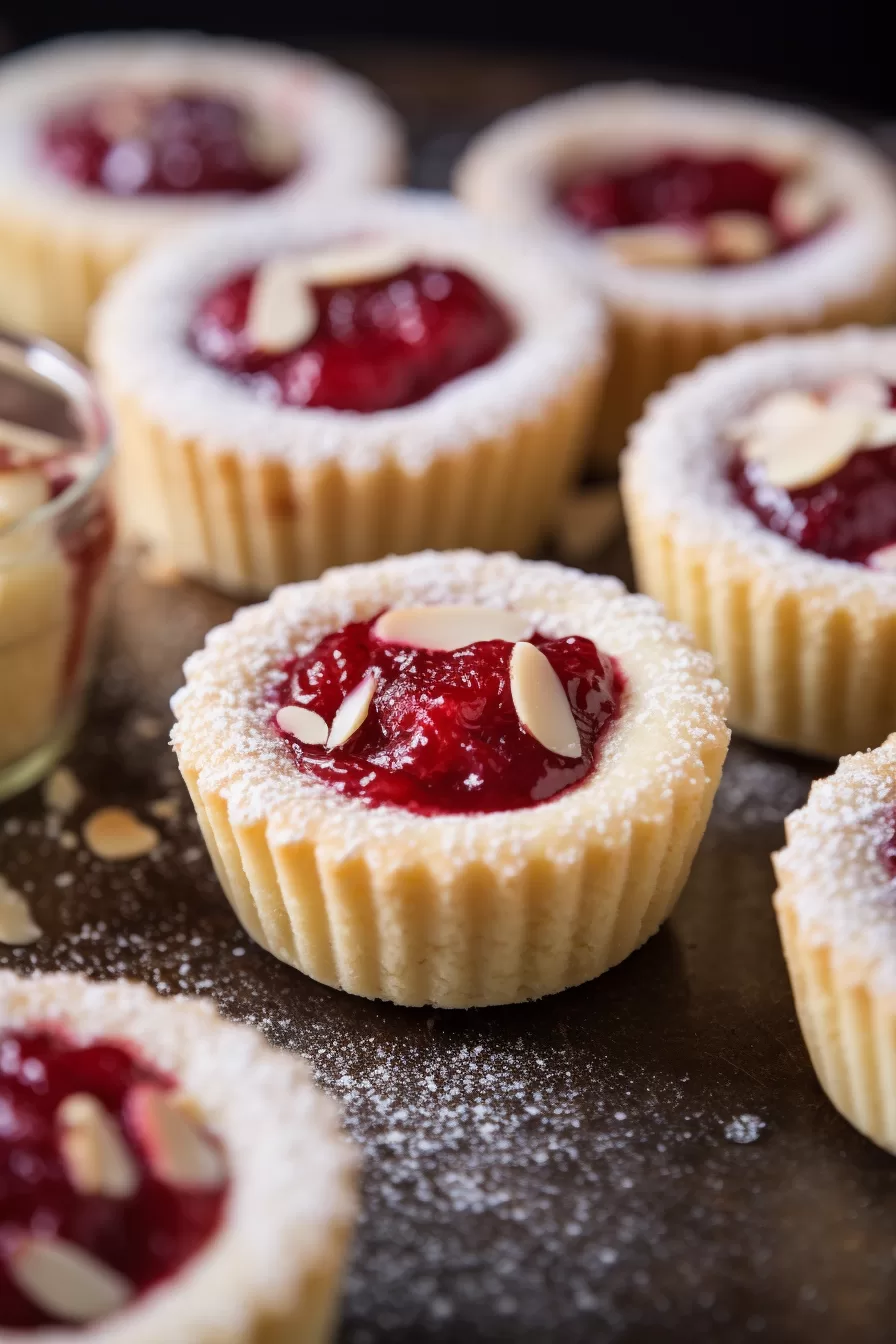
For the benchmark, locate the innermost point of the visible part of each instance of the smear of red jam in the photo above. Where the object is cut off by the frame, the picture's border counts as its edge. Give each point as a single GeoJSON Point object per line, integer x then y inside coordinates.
{"type": "Point", "coordinates": [86, 536]}
{"type": "Point", "coordinates": [379, 345]}
{"type": "Point", "coordinates": [847, 516]}
{"type": "Point", "coordinates": [673, 188]}
{"type": "Point", "coordinates": [147, 1237]}
{"type": "Point", "coordinates": [887, 848]}
{"type": "Point", "coordinates": [442, 734]}
{"type": "Point", "coordinates": [179, 144]}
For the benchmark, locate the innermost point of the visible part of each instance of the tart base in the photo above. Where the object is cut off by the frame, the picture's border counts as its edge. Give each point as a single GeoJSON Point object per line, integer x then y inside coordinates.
{"type": "Point", "coordinates": [247, 524]}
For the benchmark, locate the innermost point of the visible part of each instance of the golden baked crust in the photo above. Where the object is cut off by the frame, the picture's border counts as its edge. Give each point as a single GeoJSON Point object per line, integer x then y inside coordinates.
{"type": "Point", "coordinates": [453, 910]}
{"type": "Point", "coordinates": [272, 1270]}
{"type": "Point", "coordinates": [666, 321]}
{"type": "Point", "coordinates": [248, 495]}
{"type": "Point", "coordinates": [804, 644]}
{"type": "Point", "coordinates": [837, 916]}
{"type": "Point", "coordinates": [59, 244]}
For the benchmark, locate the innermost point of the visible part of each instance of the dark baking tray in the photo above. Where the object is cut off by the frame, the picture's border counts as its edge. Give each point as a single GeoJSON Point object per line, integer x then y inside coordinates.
{"type": "Point", "coordinates": [645, 1158]}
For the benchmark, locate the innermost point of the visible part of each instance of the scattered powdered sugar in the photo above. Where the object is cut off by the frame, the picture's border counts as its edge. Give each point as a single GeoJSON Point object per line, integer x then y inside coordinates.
{"type": "Point", "coordinates": [744, 1129]}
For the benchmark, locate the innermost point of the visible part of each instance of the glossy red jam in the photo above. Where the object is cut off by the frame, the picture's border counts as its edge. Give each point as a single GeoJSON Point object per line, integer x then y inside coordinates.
{"type": "Point", "coordinates": [146, 1237]}
{"type": "Point", "coordinates": [847, 516]}
{"type": "Point", "coordinates": [442, 734]}
{"type": "Point", "coordinates": [674, 188]}
{"type": "Point", "coordinates": [184, 143]}
{"type": "Point", "coordinates": [887, 848]}
{"type": "Point", "coordinates": [377, 346]}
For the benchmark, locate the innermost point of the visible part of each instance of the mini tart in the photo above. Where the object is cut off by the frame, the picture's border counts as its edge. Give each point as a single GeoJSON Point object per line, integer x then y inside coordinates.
{"type": "Point", "coordinates": [246, 493]}
{"type": "Point", "coordinates": [803, 642]}
{"type": "Point", "coordinates": [836, 909]}
{"type": "Point", "coordinates": [465, 909]}
{"type": "Point", "coordinates": [271, 1269]}
{"type": "Point", "coordinates": [665, 320]}
{"type": "Point", "coordinates": [60, 243]}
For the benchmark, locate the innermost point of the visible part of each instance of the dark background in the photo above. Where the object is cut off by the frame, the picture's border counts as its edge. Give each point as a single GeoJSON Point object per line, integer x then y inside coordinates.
{"type": "Point", "coordinates": [842, 54]}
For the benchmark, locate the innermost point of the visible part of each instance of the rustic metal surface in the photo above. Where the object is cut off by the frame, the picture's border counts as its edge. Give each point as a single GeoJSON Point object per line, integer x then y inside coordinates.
{"type": "Point", "coordinates": [646, 1158]}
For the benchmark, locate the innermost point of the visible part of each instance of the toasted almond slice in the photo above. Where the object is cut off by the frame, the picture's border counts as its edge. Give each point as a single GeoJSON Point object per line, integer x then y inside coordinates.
{"type": "Point", "coordinates": [812, 454]}
{"type": "Point", "coordinates": [96, 1158]}
{"type": "Point", "coordinates": [21, 492]}
{"type": "Point", "coordinates": [800, 206]}
{"type": "Point", "coordinates": [353, 711]}
{"type": "Point", "coordinates": [883, 558]}
{"type": "Point", "coordinates": [450, 627]}
{"type": "Point", "coordinates": [860, 389]}
{"type": "Point", "coordinates": [541, 702]}
{"type": "Point", "coordinates": [781, 413]}
{"type": "Point", "coordinates": [62, 791]}
{"type": "Point", "coordinates": [303, 724]}
{"type": "Point", "coordinates": [116, 833]}
{"type": "Point", "coordinates": [739, 237]}
{"type": "Point", "coordinates": [282, 312]}
{"type": "Point", "coordinates": [66, 1281]}
{"type": "Point", "coordinates": [667, 245]}
{"type": "Point", "coordinates": [358, 261]}
{"type": "Point", "coordinates": [27, 443]}
{"type": "Point", "coordinates": [589, 521]}
{"type": "Point", "coordinates": [17, 924]}
{"type": "Point", "coordinates": [881, 432]}
{"type": "Point", "coordinates": [177, 1148]}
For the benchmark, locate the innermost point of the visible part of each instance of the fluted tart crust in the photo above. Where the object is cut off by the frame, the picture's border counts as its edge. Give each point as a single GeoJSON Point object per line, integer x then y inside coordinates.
{"type": "Point", "coordinates": [60, 244]}
{"type": "Point", "coordinates": [454, 910]}
{"type": "Point", "coordinates": [803, 642]}
{"type": "Point", "coordinates": [272, 1269]}
{"type": "Point", "coordinates": [666, 319]}
{"type": "Point", "coordinates": [836, 910]}
{"type": "Point", "coordinates": [246, 493]}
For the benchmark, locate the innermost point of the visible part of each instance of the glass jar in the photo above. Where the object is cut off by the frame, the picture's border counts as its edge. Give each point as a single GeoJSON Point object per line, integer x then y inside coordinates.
{"type": "Point", "coordinates": [56, 536]}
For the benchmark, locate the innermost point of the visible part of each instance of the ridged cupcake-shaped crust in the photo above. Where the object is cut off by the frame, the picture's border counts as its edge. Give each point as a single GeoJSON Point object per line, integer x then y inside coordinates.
{"type": "Point", "coordinates": [453, 910]}
{"type": "Point", "coordinates": [836, 908]}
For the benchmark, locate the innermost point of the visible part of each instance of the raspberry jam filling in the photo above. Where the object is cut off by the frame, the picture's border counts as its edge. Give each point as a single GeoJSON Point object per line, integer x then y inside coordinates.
{"type": "Point", "coordinates": [679, 188]}
{"type": "Point", "coordinates": [850, 514]}
{"type": "Point", "coordinates": [886, 850]}
{"type": "Point", "coordinates": [85, 533]}
{"type": "Point", "coordinates": [129, 144]}
{"type": "Point", "coordinates": [143, 1233]}
{"type": "Point", "coordinates": [443, 733]}
{"type": "Point", "coordinates": [376, 345]}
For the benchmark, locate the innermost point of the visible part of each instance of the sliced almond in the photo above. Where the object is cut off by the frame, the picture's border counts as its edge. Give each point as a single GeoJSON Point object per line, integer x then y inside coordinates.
{"type": "Point", "coordinates": [66, 1281]}
{"type": "Point", "coordinates": [881, 432]}
{"type": "Point", "coordinates": [589, 521]}
{"type": "Point", "coordinates": [541, 702]}
{"type": "Point", "coordinates": [282, 312]}
{"type": "Point", "coordinates": [860, 389]}
{"type": "Point", "coordinates": [883, 558]}
{"type": "Point", "coordinates": [116, 833]}
{"type": "Point", "coordinates": [178, 1150]}
{"type": "Point", "coordinates": [352, 712]}
{"type": "Point", "coordinates": [303, 724]}
{"type": "Point", "coordinates": [62, 791]}
{"type": "Point", "coordinates": [164, 809]}
{"type": "Point", "coordinates": [26, 443]}
{"type": "Point", "coordinates": [660, 245]}
{"type": "Point", "coordinates": [801, 206]}
{"type": "Point", "coordinates": [21, 492]}
{"type": "Point", "coordinates": [812, 454]}
{"type": "Point", "coordinates": [17, 925]}
{"type": "Point", "coordinates": [357, 262]}
{"type": "Point", "coordinates": [739, 237]}
{"type": "Point", "coordinates": [781, 413]}
{"type": "Point", "coordinates": [447, 628]}
{"type": "Point", "coordinates": [96, 1158]}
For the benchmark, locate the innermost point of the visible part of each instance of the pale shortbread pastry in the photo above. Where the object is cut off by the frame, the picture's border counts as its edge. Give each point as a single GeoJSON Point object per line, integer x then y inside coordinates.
{"type": "Point", "coordinates": [249, 494]}
{"type": "Point", "coordinates": [60, 243]}
{"type": "Point", "coordinates": [804, 643]}
{"type": "Point", "coordinates": [453, 910]}
{"type": "Point", "coordinates": [272, 1269]}
{"type": "Point", "coordinates": [666, 319]}
{"type": "Point", "coordinates": [836, 908]}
